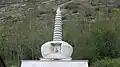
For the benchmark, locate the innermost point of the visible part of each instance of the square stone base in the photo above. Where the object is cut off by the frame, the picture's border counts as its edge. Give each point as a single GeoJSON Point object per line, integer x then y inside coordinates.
{"type": "Point", "coordinates": [54, 63]}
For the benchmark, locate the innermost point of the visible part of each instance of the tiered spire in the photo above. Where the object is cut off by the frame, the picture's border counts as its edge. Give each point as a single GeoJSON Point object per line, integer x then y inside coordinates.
{"type": "Point", "coordinates": [58, 26]}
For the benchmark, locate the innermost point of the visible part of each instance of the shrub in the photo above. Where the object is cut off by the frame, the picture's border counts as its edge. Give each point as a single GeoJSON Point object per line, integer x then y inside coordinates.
{"type": "Point", "coordinates": [106, 63]}
{"type": "Point", "coordinates": [105, 41]}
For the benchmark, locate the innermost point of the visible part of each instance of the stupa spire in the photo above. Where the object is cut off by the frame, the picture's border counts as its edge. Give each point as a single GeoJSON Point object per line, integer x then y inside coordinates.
{"type": "Point", "coordinates": [58, 26]}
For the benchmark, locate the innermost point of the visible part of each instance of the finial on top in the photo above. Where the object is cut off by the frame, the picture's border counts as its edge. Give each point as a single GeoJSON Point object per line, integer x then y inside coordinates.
{"type": "Point", "coordinates": [58, 10]}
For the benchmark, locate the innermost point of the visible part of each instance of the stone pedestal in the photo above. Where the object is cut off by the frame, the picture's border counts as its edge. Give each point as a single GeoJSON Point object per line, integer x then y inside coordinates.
{"type": "Point", "coordinates": [54, 63]}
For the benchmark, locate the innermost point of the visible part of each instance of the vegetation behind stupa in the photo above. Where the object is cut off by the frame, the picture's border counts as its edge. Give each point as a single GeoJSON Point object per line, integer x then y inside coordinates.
{"type": "Point", "coordinates": [92, 27]}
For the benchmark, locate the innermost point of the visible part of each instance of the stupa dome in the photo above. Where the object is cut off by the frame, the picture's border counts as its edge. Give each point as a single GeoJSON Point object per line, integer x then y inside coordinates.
{"type": "Point", "coordinates": [63, 50]}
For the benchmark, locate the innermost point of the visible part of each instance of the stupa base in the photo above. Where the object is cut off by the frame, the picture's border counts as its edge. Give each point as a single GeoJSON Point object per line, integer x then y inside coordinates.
{"type": "Point", "coordinates": [54, 63]}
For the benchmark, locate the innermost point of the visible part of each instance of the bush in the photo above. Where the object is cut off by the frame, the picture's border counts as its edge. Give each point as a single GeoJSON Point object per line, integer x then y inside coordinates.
{"type": "Point", "coordinates": [106, 63]}
{"type": "Point", "coordinates": [105, 41]}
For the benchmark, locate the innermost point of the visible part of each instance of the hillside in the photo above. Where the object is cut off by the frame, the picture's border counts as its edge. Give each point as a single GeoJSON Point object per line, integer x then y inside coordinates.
{"type": "Point", "coordinates": [90, 26]}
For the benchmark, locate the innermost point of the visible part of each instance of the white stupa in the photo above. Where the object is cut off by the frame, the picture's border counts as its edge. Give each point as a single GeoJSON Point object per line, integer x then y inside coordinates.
{"type": "Point", "coordinates": [57, 49]}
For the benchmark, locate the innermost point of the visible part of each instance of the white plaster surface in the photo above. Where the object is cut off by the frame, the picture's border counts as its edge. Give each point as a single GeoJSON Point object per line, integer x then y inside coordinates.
{"type": "Point", "coordinates": [66, 50]}
{"type": "Point", "coordinates": [39, 63]}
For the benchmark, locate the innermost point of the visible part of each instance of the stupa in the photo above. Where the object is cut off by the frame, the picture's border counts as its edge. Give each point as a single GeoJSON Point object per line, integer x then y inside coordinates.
{"type": "Point", "coordinates": [57, 49]}
{"type": "Point", "coordinates": [56, 53]}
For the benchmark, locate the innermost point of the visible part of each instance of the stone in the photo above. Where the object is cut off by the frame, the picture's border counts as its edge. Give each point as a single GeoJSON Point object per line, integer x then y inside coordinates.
{"type": "Point", "coordinates": [57, 63]}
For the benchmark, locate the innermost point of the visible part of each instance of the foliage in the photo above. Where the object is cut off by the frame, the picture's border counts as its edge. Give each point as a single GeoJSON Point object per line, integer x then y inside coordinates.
{"type": "Point", "coordinates": [106, 63]}
{"type": "Point", "coordinates": [91, 27]}
{"type": "Point", "coordinates": [105, 42]}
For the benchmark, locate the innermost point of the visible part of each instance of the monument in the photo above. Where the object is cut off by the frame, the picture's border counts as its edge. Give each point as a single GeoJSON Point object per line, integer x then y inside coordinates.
{"type": "Point", "coordinates": [56, 53]}
{"type": "Point", "coordinates": [57, 49]}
